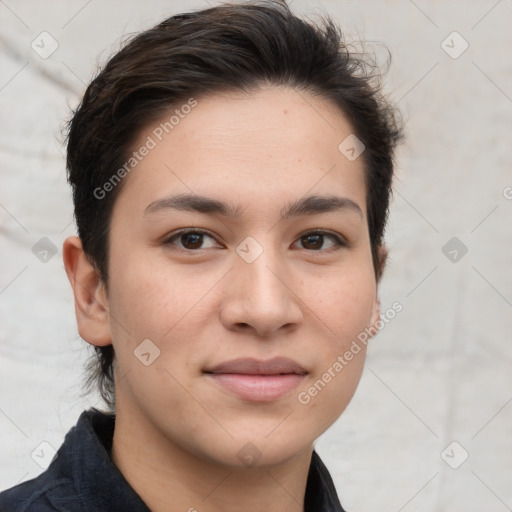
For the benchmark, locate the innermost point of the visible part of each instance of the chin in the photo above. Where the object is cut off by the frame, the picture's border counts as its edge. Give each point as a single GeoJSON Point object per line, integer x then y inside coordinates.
{"type": "Point", "coordinates": [261, 449]}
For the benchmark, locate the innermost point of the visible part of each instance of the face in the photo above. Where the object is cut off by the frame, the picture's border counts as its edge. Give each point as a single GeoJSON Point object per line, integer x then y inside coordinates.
{"type": "Point", "coordinates": [240, 272]}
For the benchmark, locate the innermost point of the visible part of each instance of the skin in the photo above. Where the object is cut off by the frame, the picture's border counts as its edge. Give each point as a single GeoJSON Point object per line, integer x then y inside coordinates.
{"type": "Point", "coordinates": [177, 434]}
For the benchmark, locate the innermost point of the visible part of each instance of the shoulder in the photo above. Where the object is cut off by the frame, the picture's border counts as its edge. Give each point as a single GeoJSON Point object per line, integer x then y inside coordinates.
{"type": "Point", "coordinates": [59, 487]}
{"type": "Point", "coordinates": [38, 495]}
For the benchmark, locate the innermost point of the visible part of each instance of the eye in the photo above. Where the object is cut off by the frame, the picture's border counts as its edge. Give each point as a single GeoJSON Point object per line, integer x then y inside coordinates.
{"type": "Point", "coordinates": [316, 241]}
{"type": "Point", "coordinates": [194, 240]}
{"type": "Point", "coordinates": [191, 240]}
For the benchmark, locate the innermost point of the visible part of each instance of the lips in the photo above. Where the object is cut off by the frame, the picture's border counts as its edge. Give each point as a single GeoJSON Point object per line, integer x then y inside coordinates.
{"type": "Point", "coordinates": [275, 366]}
{"type": "Point", "coordinates": [257, 380]}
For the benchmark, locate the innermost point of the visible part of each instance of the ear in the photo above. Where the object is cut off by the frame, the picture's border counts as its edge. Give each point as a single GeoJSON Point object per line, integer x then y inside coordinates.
{"type": "Point", "coordinates": [91, 303]}
{"type": "Point", "coordinates": [382, 254]}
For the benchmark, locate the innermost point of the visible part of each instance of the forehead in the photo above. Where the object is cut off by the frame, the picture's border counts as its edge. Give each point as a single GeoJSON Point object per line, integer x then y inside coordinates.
{"type": "Point", "coordinates": [267, 147]}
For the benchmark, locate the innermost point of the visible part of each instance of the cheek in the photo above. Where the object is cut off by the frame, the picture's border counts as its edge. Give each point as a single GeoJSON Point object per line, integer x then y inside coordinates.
{"type": "Point", "coordinates": [152, 300]}
{"type": "Point", "coordinates": [149, 304]}
{"type": "Point", "coordinates": [144, 294]}
{"type": "Point", "coordinates": [138, 304]}
{"type": "Point", "coordinates": [344, 302]}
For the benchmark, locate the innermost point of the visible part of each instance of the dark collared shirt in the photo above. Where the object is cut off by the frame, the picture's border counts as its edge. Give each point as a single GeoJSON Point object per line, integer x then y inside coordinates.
{"type": "Point", "coordinates": [83, 478]}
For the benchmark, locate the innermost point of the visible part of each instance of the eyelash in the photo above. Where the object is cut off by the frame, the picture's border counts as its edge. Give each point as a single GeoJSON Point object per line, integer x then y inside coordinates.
{"type": "Point", "coordinates": [338, 240]}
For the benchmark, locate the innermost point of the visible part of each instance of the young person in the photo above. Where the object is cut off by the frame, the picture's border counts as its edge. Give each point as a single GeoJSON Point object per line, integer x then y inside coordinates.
{"type": "Point", "coordinates": [231, 172]}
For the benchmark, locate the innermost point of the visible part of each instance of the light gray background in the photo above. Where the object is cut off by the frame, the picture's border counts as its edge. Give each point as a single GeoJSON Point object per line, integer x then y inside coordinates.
{"type": "Point", "coordinates": [439, 372]}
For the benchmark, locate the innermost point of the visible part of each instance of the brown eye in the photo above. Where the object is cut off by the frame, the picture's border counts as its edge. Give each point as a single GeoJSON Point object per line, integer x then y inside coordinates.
{"type": "Point", "coordinates": [191, 240]}
{"type": "Point", "coordinates": [314, 241]}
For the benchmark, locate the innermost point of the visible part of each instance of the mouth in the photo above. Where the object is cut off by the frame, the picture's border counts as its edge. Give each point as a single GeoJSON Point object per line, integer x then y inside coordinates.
{"type": "Point", "coordinates": [257, 380]}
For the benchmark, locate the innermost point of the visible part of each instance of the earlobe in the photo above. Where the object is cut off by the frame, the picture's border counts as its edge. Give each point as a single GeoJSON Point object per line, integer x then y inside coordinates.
{"type": "Point", "coordinates": [91, 302]}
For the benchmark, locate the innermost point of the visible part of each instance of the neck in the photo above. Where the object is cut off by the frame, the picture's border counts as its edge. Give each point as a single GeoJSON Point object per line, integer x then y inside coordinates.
{"type": "Point", "coordinates": [166, 476]}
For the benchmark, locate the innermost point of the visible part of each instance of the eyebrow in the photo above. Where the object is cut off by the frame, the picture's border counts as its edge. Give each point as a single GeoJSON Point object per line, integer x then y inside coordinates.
{"type": "Point", "coordinates": [304, 206]}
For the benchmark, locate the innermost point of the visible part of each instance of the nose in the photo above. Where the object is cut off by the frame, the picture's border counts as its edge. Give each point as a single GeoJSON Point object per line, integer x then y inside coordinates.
{"type": "Point", "coordinates": [259, 298]}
